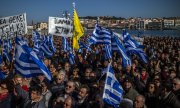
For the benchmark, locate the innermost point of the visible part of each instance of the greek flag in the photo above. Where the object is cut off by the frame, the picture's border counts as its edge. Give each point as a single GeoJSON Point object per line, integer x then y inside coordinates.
{"type": "Point", "coordinates": [27, 62]}
{"type": "Point", "coordinates": [71, 58]}
{"type": "Point", "coordinates": [9, 44]}
{"type": "Point", "coordinates": [67, 48]}
{"type": "Point", "coordinates": [117, 46]}
{"type": "Point", "coordinates": [101, 35]}
{"type": "Point", "coordinates": [36, 47]}
{"type": "Point", "coordinates": [112, 90]}
{"type": "Point", "coordinates": [128, 40]}
{"type": "Point", "coordinates": [65, 43]}
{"type": "Point", "coordinates": [132, 47]}
{"type": "Point", "coordinates": [84, 46]}
{"type": "Point", "coordinates": [108, 52]}
{"type": "Point", "coordinates": [36, 36]}
{"type": "Point", "coordinates": [51, 44]}
{"type": "Point", "coordinates": [6, 50]}
{"type": "Point", "coordinates": [45, 48]}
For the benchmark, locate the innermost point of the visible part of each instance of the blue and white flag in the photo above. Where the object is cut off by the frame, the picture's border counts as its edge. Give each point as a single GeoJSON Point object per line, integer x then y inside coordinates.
{"type": "Point", "coordinates": [9, 44]}
{"type": "Point", "coordinates": [132, 47]}
{"type": "Point", "coordinates": [112, 90]}
{"type": "Point", "coordinates": [51, 43]}
{"type": "Point", "coordinates": [67, 48]}
{"type": "Point", "coordinates": [101, 35]}
{"type": "Point", "coordinates": [65, 44]}
{"type": "Point", "coordinates": [36, 47]}
{"type": "Point", "coordinates": [45, 48]}
{"type": "Point", "coordinates": [108, 52]}
{"type": "Point", "coordinates": [128, 40]}
{"type": "Point", "coordinates": [36, 36]}
{"type": "Point", "coordinates": [117, 46]}
{"type": "Point", "coordinates": [6, 50]}
{"type": "Point", "coordinates": [71, 58]}
{"type": "Point", "coordinates": [84, 46]}
{"type": "Point", "coordinates": [27, 62]}
{"type": "Point", "coordinates": [139, 52]}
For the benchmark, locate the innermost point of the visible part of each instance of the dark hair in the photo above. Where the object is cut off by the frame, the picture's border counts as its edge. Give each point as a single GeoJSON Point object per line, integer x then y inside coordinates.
{"type": "Point", "coordinates": [86, 87]}
{"type": "Point", "coordinates": [167, 85]}
{"type": "Point", "coordinates": [38, 89]}
{"type": "Point", "coordinates": [73, 104]}
{"type": "Point", "coordinates": [9, 84]}
{"type": "Point", "coordinates": [45, 83]}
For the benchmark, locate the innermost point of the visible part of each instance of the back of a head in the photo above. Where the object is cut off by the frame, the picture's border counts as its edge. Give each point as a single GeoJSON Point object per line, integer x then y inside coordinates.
{"type": "Point", "coordinates": [126, 103]}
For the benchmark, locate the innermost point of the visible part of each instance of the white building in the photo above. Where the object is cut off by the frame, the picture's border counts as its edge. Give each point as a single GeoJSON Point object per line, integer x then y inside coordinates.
{"type": "Point", "coordinates": [169, 23]}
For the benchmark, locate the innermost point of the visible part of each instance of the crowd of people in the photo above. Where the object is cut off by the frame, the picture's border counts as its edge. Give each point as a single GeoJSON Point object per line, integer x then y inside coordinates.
{"type": "Point", "coordinates": [152, 85]}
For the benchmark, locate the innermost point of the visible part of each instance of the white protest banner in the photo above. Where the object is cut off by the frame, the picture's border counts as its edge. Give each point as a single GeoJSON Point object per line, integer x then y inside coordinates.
{"type": "Point", "coordinates": [60, 26]}
{"type": "Point", "coordinates": [16, 24]}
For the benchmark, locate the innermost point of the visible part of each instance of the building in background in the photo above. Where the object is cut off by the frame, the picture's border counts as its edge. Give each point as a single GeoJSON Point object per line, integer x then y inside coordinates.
{"type": "Point", "coordinates": [169, 23]}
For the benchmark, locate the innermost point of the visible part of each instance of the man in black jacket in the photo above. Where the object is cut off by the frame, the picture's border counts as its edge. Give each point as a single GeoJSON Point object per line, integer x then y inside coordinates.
{"type": "Point", "coordinates": [168, 99]}
{"type": "Point", "coordinates": [176, 87]}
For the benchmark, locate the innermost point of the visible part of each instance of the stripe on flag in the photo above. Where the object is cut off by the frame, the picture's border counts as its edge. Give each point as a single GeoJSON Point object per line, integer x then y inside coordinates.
{"type": "Point", "coordinates": [6, 50]}
{"type": "Point", "coordinates": [51, 44]}
{"type": "Point", "coordinates": [112, 90]}
{"type": "Point", "coordinates": [45, 48]}
{"type": "Point", "coordinates": [108, 52]}
{"type": "Point", "coordinates": [101, 35]}
{"type": "Point", "coordinates": [132, 47]}
{"type": "Point", "coordinates": [27, 62]}
{"type": "Point", "coordinates": [117, 46]}
{"type": "Point", "coordinates": [65, 44]}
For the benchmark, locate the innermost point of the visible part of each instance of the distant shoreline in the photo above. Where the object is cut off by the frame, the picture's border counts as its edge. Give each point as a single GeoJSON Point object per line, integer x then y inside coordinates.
{"type": "Point", "coordinates": [154, 33]}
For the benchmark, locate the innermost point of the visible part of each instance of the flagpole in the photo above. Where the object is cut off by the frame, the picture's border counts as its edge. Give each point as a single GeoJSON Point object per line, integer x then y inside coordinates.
{"type": "Point", "coordinates": [74, 6]}
{"type": "Point", "coordinates": [98, 19]}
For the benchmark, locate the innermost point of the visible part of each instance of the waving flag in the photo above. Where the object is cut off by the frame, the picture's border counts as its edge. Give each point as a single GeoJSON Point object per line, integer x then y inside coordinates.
{"type": "Point", "coordinates": [71, 58]}
{"type": "Point", "coordinates": [65, 44]}
{"type": "Point", "coordinates": [108, 52]}
{"type": "Point", "coordinates": [78, 30]}
{"type": "Point", "coordinates": [101, 35]}
{"type": "Point", "coordinates": [128, 40]}
{"type": "Point", "coordinates": [132, 47]}
{"type": "Point", "coordinates": [9, 44]}
{"type": "Point", "coordinates": [117, 46]}
{"type": "Point", "coordinates": [112, 90]}
{"type": "Point", "coordinates": [27, 62]}
{"type": "Point", "coordinates": [45, 48]}
{"type": "Point", "coordinates": [36, 36]}
{"type": "Point", "coordinates": [51, 43]}
{"type": "Point", "coordinates": [36, 47]}
{"type": "Point", "coordinates": [84, 46]}
{"type": "Point", "coordinates": [6, 50]}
